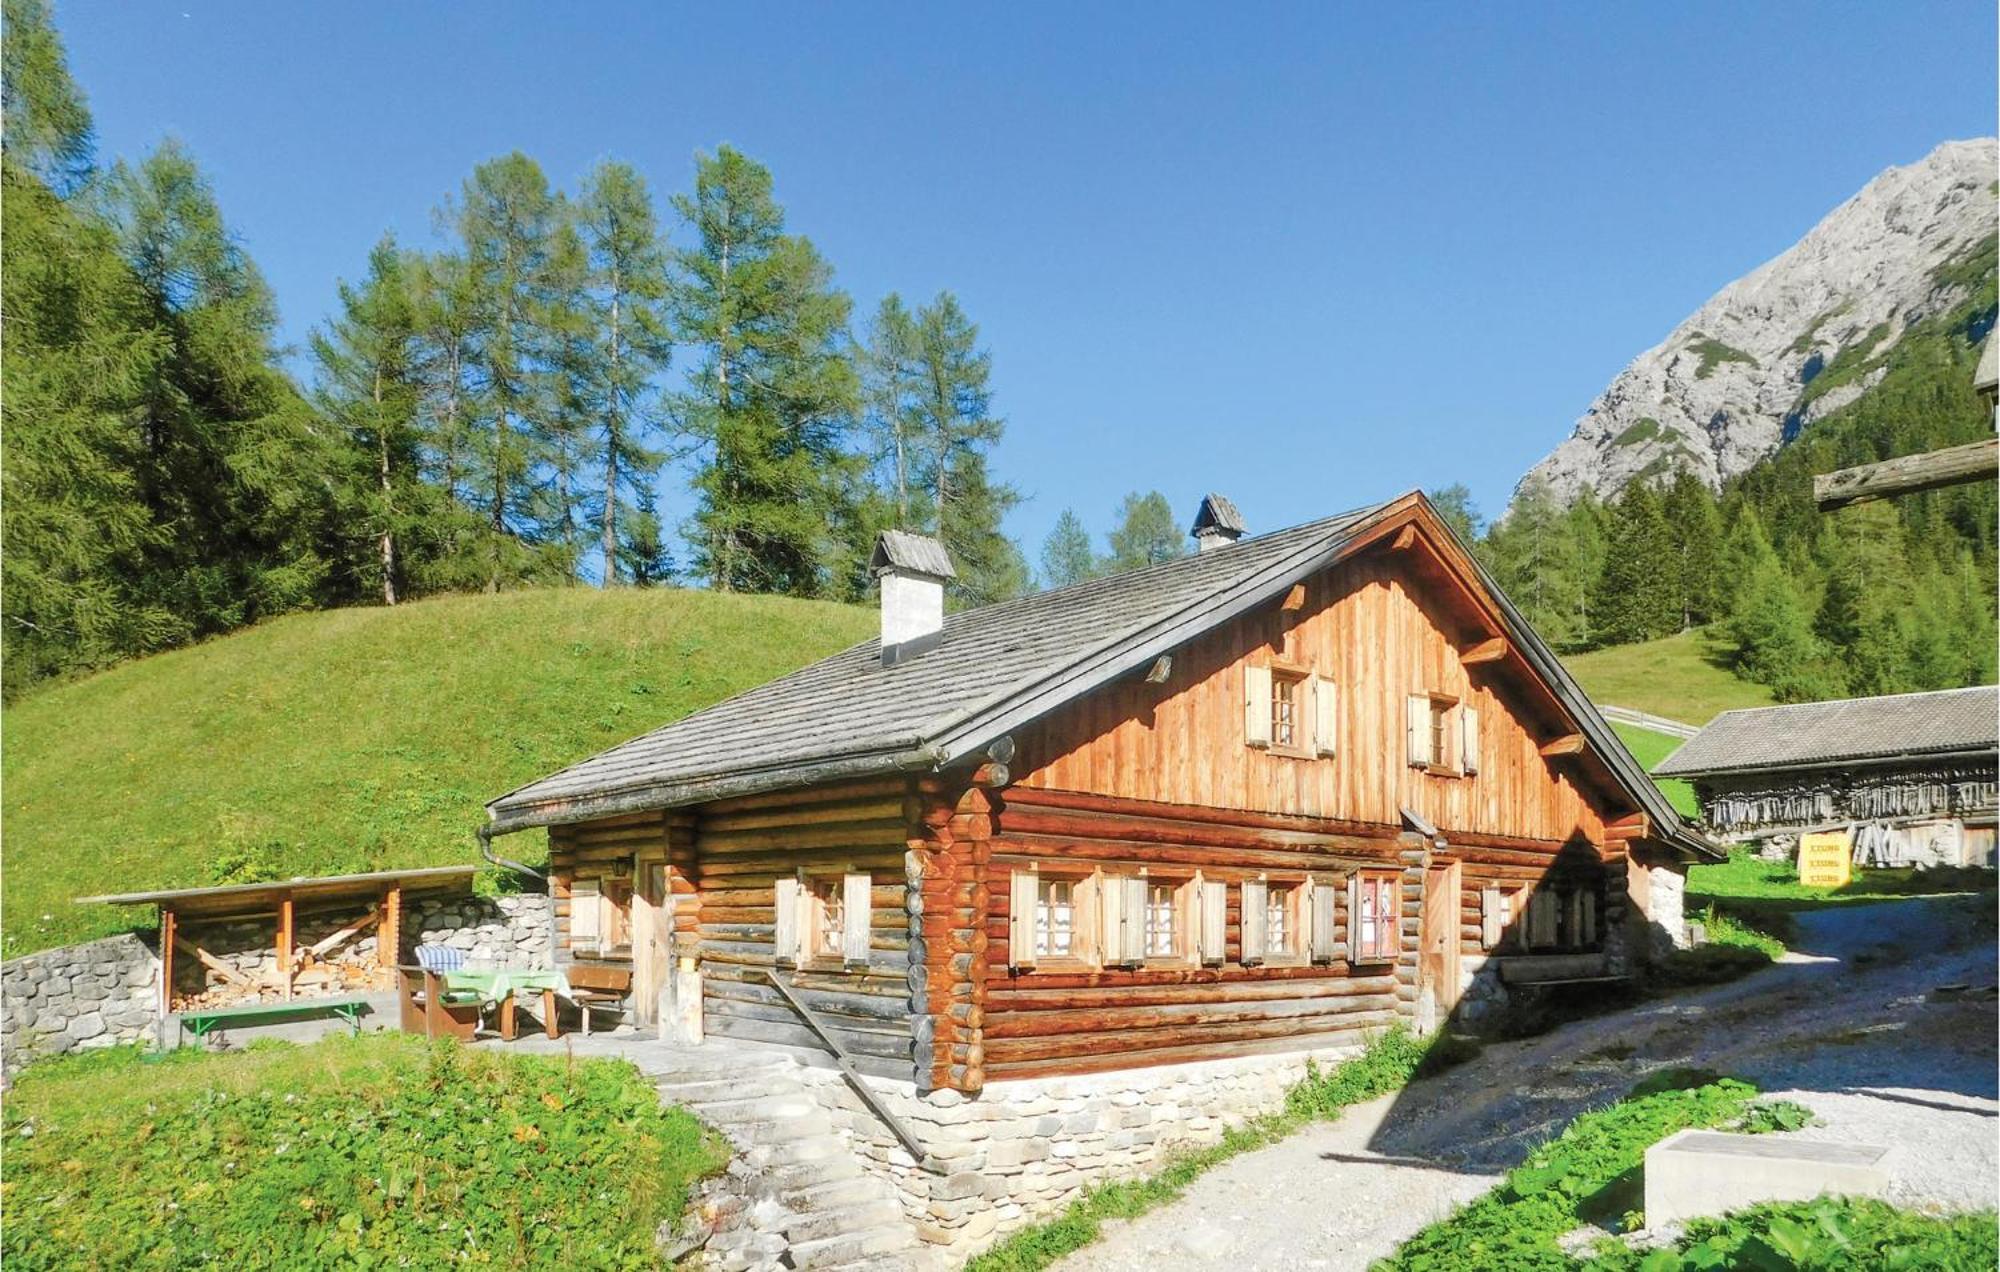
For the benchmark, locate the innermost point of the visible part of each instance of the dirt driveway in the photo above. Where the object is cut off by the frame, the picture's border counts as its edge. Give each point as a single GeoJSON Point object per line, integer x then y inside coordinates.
{"type": "Point", "coordinates": [1846, 1025]}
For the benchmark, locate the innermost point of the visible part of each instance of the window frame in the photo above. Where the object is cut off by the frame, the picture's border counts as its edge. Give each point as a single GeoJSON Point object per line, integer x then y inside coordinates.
{"type": "Point", "coordinates": [1083, 953]}
{"type": "Point", "coordinates": [1360, 953]}
{"type": "Point", "coordinates": [824, 920]}
{"type": "Point", "coordinates": [1183, 909]}
{"type": "Point", "coordinates": [1447, 758]}
{"type": "Point", "coordinates": [1297, 950]}
{"type": "Point", "coordinates": [1288, 687]}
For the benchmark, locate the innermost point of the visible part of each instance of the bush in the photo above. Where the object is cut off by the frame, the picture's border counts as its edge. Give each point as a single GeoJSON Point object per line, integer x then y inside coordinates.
{"type": "Point", "coordinates": [1831, 1233]}
{"type": "Point", "coordinates": [381, 1150]}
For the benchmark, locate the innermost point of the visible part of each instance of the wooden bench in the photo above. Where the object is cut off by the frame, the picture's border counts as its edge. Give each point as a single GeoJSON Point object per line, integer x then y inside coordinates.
{"type": "Point", "coordinates": [593, 985]}
{"type": "Point", "coordinates": [204, 1021]}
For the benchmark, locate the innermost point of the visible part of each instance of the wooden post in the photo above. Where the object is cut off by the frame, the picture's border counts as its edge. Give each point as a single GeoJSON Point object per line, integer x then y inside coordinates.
{"type": "Point", "coordinates": [285, 944]}
{"type": "Point", "coordinates": [389, 933]}
{"type": "Point", "coordinates": [1907, 474]}
{"type": "Point", "coordinates": [167, 938]}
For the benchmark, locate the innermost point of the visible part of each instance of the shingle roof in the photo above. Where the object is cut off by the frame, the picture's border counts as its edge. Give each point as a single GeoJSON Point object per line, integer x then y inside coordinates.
{"type": "Point", "coordinates": [1852, 729]}
{"type": "Point", "coordinates": [1219, 512]}
{"type": "Point", "coordinates": [995, 669]}
{"type": "Point", "coordinates": [903, 550]}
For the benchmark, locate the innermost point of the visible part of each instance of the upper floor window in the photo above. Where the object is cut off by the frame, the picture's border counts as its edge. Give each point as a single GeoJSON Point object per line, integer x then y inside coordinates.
{"type": "Point", "coordinates": [1289, 710]}
{"type": "Point", "coordinates": [1286, 726]}
{"type": "Point", "coordinates": [1443, 736]}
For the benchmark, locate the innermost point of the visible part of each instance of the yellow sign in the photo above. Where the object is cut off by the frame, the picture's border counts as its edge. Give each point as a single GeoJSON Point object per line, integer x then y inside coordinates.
{"type": "Point", "coordinates": [1826, 859]}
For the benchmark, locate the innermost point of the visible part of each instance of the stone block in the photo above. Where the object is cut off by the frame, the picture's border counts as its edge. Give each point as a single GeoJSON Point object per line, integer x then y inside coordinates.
{"type": "Point", "coordinates": [1695, 1173]}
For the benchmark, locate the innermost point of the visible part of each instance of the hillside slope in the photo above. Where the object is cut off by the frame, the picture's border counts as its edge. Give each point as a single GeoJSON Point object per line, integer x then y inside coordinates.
{"type": "Point", "coordinates": [356, 739]}
{"type": "Point", "coordinates": [1680, 677]}
{"type": "Point", "coordinates": [1780, 347]}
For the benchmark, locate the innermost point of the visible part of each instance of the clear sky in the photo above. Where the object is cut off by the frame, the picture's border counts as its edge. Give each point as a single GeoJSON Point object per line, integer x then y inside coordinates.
{"type": "Point", "coordinates": [1307, 255]}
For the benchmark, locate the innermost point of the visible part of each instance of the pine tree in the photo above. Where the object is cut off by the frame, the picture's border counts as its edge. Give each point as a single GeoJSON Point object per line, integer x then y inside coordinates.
{"type": "Point", "coordinates": [1454, 505]}
{"type": "Point", "coordinates": [49, 135]}
{"type": "Point", "coordinates": [446, 327]}
{"type": "Point", "coordinates": [1067, 556]}
{"type": "Point", "coordinates": [1538, 560]}
{"type": "Point", "coordinates": [774, 396]}
{"type": "Point", "coordinates": [631, 346]}
{"type": "Point", "coordinates": [367, 358]}
{"type": "Point", "coordinates": [1147, 533]}
{"type": "Point", "coordinates": [568, 404]}
{"type": "Point", "coordinates": [1636, 594]}
{"type": "Point", "coordinates": [1694, 528]}
{"type": "Point", "coordinates": [952, 413]}
{"type": "Point", "coordinates": [888, 369]}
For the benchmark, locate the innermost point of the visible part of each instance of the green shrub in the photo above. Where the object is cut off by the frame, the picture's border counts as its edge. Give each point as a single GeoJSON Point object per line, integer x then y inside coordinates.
{"type": "Point", "coordinates": [1831, 1233]}
{"type": "Point", "coordinates": [375, 1151]}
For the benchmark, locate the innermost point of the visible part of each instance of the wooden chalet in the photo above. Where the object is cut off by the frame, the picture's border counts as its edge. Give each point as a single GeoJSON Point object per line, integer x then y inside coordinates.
{"type": "Point", "coordinates": [1911, 776]}
{"type": "Point", "coordinates": [1257, 799]}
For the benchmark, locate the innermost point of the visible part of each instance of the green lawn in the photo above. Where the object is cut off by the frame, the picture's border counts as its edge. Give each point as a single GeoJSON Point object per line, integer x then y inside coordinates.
{"type": "Point", "coordinates": [379, 1151]}
{"type": "Point", "coordinates": [1680, 677]}
{"type": "Point", "coordinates": [356, 739]}
{"type": "Point", "coordinates": [1650, 748]}
{"type": "Point", "coordinates": [1745, 883]}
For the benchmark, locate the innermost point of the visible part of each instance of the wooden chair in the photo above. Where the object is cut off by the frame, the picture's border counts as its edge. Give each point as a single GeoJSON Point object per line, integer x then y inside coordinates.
{"type": "Point", "coordinates": [425, 1008]}
{"type": "Point", "coordinates": [593, 985]}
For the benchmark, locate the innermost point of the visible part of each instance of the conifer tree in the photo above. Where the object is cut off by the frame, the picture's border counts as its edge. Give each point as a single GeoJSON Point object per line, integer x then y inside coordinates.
{"type": "Point", "coordinates": [50, 135]}
{"type": "Point", "coordinates": [1694, 528]}
{"type": "Point", "coordinates": [1538, 556]}
{"type": "Point", "coordinates": [774, 395]}
{"type": "Point", "coordinates": [1636, 594]}
{"type": "Point", "coordinates": [1067, 556]}
{"type": "Point", "coordinates": [887, 362]}
{"type": "Point", "coordinates": [630, 348]}
{"type": "Point", "coordinates": [1147, 533]}
{"type": "Point", "coordinates": [952, 411]}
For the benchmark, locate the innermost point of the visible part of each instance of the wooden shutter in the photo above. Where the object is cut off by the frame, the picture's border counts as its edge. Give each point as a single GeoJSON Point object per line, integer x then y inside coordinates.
{"type": "Point", "coordinates": [1492, 917]}
{"type": "Point", "coordinates": [586, 909]}
{"type": "Point", "coordinates": [1254, 892]}
{"type": "Point", "coordinates": [1132, 944]}
{"type": "Point", "coordinates": [1319, 917]}
{"type": "Point", "coordinates": [1023, 893]}
{"type": "Point", "coordinates": [857, 896]}
{"type": "Point", "coordinates": [786, 919]}
{"type": "Point", "coordinates": [1214, 929]}
{"type": "Point", "coordinates": [1468, 739]}
{"type": "Point", "coordinates": [1542, 919]}
{"type": "Point", "coordinates": [1419, 730]}
{"type": "Point", "coordinates": [1354, 948]}
{"type": "Point", "coordinates": [1587, 909]}
{"type": "Point", "coordinates": [1325, 717]}
{"type": "Point", "coordinates": [1087, 941]}
{"type": "Point", "coordinates": [1257, 706]}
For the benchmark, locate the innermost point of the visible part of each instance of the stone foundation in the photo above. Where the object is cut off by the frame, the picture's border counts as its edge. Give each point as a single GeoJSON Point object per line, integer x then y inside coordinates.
{"type": "Point", "coordinates": [77, 998]}
{"type": "Point", "coordinates": [1666, 891]}
{"type": "Point", "coordinates": [1022, 1150]}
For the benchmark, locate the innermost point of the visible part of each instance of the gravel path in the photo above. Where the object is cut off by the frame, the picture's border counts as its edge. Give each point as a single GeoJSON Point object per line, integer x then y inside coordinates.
{"type": "Point", "coordinates": [1845, 1025]}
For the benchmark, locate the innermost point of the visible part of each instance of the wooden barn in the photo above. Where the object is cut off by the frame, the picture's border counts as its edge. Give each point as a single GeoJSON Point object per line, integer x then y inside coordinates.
{"type": "Point", "coordinates": [1911, 776]}
{"type": "Point", "coordinates": [1258, 799]}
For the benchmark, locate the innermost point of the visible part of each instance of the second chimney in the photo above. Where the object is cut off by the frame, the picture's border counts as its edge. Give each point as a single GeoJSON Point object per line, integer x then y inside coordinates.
{"type": "Point", "coordinates": [1217, 525]}
{"type": "Point", "coordinates": [912, 569]}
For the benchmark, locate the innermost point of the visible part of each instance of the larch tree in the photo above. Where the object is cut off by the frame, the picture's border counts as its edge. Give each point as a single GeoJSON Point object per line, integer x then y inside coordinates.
{"type": "Point", "coordinates": [367, 356]}
{"type": "Point", "coordinates": [1067, 556]}
{"type": "Point", "coordinates": [888, 367]}
{"type": "Point", "coordinates": [1147, 533]}
{"type": "Point", "coordinates": [952, 411]}
{"type": "Point", "coordinates": [774, 395]}
{"type": "Point", "coordinates": [631, 343]}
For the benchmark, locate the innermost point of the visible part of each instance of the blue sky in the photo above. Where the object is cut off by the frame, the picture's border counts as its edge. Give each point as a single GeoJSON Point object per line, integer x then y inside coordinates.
{"type": "Point", "coordinates": [1306, 255]}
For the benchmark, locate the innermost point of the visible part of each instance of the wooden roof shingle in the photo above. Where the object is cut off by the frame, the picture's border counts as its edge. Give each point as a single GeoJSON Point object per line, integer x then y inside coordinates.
{"type": "Point", "coordinates": [1849, 730]}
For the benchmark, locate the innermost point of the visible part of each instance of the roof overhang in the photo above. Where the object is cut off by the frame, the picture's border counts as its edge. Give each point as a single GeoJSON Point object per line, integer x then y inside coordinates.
{"type": "Point", "coordinates": [1901, 759]}
{"type": "Point", "coordinates": [248, 897]}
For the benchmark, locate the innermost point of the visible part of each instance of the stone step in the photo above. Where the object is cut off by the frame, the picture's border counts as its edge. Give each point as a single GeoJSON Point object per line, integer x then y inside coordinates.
{"type": "Point", "coordinates": [775, 1107]}
{"type": "Point", "coordinates": [910, 1261]}
{"type": "Point", "coordinates": [881, 1212]}
{"type": "Point", "coordinates": [777, 1130]}
{"type": "Point", "coordinates": [869, 1248]}
{"type": "Point", "coordinates": [708, 1090]}
{"type": "Point", "coordinates": [813, 1148]}
{"type": "Point", "coordinates": [813, 1173]}
{"type": "Point", "coordinates": [854, 1190]}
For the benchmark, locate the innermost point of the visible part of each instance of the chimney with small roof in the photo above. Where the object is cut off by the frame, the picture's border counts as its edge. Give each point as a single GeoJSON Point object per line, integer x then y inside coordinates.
{"type": "Point", "coordinates": [1217, 525]}
{"type": "Point", "coordinates": [912, 569]}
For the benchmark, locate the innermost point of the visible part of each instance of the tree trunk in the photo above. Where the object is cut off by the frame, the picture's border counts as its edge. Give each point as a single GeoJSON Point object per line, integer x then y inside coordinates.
{"type": "Point", "coordinates": [611, 433]}
{"type": "Point", "coordinates": [387, 539]}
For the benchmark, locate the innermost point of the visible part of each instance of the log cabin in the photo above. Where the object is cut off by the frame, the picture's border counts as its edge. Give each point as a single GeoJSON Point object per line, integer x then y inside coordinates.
{"type": "Point", "coordinates": [1267, 797]}
{"type": "Point", "coordinates": [1913, 779]}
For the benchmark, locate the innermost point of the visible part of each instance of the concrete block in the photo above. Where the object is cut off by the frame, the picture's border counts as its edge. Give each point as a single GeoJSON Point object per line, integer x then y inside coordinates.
{"type": "Point", "coordinates": [1696, 1173]}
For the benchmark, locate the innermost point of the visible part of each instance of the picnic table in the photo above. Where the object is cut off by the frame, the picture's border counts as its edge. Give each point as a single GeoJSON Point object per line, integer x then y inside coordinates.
{"type": "Point", "coordinates": [505, 986]}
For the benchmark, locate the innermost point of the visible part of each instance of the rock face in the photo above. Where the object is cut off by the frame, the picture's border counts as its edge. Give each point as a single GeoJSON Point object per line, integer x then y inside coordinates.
{"type": "Point", "coordinates": [1734, 382]}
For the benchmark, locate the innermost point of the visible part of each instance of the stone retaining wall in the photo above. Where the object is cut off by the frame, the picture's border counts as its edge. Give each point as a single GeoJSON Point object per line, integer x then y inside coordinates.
{"type": "Point", "coordinates": [78, 997]}
{"type": "Point", "coordinates": [1022, 1150]}
{"type": "Point", "coordinates": [107, 992]}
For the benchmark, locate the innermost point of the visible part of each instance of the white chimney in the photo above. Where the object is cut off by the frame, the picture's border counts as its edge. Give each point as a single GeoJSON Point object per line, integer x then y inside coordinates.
{"type": "Point", "coordinates": [1217, 524]}
{"type": "Point", "coordinates": [911, 569]}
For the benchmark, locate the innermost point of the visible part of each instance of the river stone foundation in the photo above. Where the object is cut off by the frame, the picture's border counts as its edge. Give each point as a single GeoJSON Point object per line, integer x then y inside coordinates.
{"type": "Point", "coordinates": [1022, 1150]}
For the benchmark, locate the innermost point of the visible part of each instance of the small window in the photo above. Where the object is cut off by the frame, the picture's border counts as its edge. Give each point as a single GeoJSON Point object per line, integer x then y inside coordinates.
{"type": "Point", "coordinates": [1287, 706]}
{"type": "Point", "coordinates": [1440, 732]}
{"type": "Point", "coordinates": [1055, 918]}
{"type": "Point", "coordinates": [1160, 934]}
{"type": "Point", "coordinates": [1375, 918]}
{"type": "Point", "coordinates": [1281, 921]}
{"type": "Point", "coordinates": [827, 915]}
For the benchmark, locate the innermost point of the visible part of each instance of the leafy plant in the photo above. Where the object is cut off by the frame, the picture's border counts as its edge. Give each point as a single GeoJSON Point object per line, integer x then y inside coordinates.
{"type": "Point", "coordinates": [1830, 1233]}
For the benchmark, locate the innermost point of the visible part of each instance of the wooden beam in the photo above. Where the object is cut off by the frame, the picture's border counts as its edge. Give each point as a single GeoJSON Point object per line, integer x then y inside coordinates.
{"type": "Point", "coordinates": [1631, 826]}
{"type": "Point", "coordinates": [1295, 599]}
{"type": "Point", "coordinates": [1405, 539]}
{"type": "Point", "coordinates": [285, 968]}
{"type": "Point", "coordinates": [228, 974]}
{"type": "Point", "coordinates": [318, 949]}
{"type": "Point", "coordinates": [389, 936]}
{"type": "Point", "coordinates": [1907, 474]}
{"type": "Point", "coordinates": [167, 939]}
{"type": "Point", "coordinates": [1485, 651]}
{"type": "Point", "coordinates": [1567, 744]}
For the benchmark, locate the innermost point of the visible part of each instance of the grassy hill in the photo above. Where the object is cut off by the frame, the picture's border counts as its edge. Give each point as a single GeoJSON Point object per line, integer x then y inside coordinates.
{"type": "Point", "coordinates": [1682, 677]}
{"type": "Point", "coordinates": [355, 739]}
{"type": "Point", "coordinates": [1649, 748]}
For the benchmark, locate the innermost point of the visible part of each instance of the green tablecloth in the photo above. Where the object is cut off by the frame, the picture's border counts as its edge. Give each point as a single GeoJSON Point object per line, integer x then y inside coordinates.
{"type": "Point", "coordinates": [498, 985]}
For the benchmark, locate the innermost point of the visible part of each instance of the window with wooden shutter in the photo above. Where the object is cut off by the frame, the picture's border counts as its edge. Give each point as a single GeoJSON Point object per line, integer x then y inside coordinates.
{"type": "Point", "coordinates": [857, 905]}
{"type": "Point", "coordinates": [1021, 889]}
{"type": "Point", "coordinates": [1257, 706]}
{"type": "Point", "coordinates": [1320, 909]}
{"type": "Point", "coordinates": [1541, 919]}
{"type": "Point", "coordinates": [1468, 739]}
{"type": "Point", "coordinates": [586, 909]}
{"type": "Point", "coordinates": [1587, 927]}
{"type": "Point", "coordinates": [1492, 917]}
{"type": "Point", "coordinates": [785, 914]}
{"type": "Point", "coordinates": [1325, 716]}
{"type": "Point", "coordinates": [1418, 730]}
{"type": "Point", "coordinates": [1132, 917]}
{"type": "Point", "coordinates": [1254, 895]}
{"type": "Point", "coordinates": [1374, 917]}
{"type": "Point", "coordinates": [1214, 928]}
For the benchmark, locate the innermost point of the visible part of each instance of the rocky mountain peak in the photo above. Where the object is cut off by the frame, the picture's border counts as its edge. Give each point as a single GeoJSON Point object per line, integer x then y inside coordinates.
{"type": "Point", "coordinates": [1794, 339]}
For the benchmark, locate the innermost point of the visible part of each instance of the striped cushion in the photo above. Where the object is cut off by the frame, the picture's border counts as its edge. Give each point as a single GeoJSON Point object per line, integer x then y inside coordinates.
{"type": "Point", "coordinates": [440, 958]}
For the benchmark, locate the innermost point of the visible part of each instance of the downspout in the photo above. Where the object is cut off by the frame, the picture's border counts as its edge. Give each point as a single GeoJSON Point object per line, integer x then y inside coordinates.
{"type": "Point", "coordinates": [485, 834]}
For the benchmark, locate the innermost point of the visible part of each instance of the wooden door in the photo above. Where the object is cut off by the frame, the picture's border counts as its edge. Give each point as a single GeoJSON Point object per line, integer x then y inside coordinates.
{"type": "Point", "coordinates": [652, 940]}
{"type": "Point", "coordinates": [1437, 962]}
